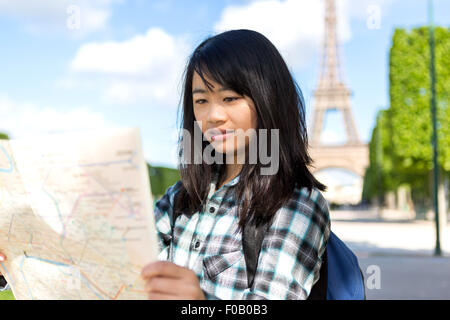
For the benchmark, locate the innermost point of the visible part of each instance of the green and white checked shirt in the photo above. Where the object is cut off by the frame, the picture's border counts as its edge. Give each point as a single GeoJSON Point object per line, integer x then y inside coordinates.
{"type": "Point", "coordinates": [209, 243]}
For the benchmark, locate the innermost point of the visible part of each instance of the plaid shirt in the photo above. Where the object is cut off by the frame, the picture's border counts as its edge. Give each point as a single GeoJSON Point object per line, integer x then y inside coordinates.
{"type": "Point", "coordinates": [209, 243]}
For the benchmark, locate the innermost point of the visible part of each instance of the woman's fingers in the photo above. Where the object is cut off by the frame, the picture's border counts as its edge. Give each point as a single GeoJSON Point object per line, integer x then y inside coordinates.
{"type": "Point", "coordinates": [166, 280]}
{"type": "Point", "coordinates": [168, 286]}
{"type": "Point", "coordinates": [164, 269]}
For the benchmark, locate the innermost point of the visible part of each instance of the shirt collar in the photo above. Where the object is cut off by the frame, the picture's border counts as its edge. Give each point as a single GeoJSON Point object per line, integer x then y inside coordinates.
{"type": "Point", "coordinates": [213, 185]}
{"type": "Point", "coordinates": [231, 183]}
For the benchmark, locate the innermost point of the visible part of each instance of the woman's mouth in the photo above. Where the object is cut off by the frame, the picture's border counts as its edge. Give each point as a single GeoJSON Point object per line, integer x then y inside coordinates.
{"type": "Point", "coordinates": [221, 137]}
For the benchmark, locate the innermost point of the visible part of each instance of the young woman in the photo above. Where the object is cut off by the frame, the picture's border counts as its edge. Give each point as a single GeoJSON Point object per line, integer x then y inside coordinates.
{"type": "Point", "coordinates": [236, 82]}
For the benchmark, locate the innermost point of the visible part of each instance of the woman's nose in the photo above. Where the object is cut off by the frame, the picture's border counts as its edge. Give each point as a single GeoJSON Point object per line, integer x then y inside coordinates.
{"type": "Point", "coordinates": [216, 113]}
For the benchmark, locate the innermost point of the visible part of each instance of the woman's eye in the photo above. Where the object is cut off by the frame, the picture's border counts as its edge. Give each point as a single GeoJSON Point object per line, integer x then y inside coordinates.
{"type": "Point", "coordinates": [200, 101]}
{"type": "Point", "coordinates": [229, 99]}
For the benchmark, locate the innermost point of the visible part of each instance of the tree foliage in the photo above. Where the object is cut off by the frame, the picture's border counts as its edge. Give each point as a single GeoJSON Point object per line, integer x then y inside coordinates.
{"type": "Point", "coordinates": [410, 97]}
{"type": "Point", "coordinates": [401, 145]}
{"type": "Point", "coordinates": [161, 178]}
{"type": "Point", "coordinates": [4, 136]}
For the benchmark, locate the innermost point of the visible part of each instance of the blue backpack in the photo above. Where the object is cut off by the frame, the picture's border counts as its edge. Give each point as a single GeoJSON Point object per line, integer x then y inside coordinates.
{"type": "Point", "coordinates": [341, 277]}
{"type": "Point", "coordinates": [345, 278]}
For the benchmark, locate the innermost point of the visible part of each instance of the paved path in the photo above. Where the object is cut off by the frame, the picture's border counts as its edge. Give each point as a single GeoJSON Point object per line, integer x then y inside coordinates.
{"type": "Point", "coordinates": [402, 252]}
{"type": "Point", "coordinates": [405, 278]}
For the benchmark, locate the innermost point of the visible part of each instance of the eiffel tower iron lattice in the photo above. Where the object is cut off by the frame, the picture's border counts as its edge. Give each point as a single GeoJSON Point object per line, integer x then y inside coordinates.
{"type": "Point", "coordinates": [333, 94]}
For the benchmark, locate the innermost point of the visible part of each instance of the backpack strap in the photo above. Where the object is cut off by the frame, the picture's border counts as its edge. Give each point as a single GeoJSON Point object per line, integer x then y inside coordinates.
{"type": "Point", "coordinates": [3, 283]}
{"type": "Point", "coordinates": [175, 214]}
{"type": "Point", "coordinates": [252, 238]}
{"type": "Point", "coordinates": [319, 289]}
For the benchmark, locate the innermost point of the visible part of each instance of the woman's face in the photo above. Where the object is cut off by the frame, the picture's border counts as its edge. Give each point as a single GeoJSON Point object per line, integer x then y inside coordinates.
{"type": "Point", "coordinates": [225, 110]}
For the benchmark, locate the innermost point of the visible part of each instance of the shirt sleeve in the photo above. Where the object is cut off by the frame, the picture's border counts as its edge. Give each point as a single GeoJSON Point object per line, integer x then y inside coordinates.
{"type": "Point", "coordinates": [291, 252]}
{"type": "Point", "coordinates": [163, 220]}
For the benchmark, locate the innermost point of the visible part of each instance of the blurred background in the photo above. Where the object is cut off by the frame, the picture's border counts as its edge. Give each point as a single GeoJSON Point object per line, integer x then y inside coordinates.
{"type": "Point", "coordinates": [69, 65]}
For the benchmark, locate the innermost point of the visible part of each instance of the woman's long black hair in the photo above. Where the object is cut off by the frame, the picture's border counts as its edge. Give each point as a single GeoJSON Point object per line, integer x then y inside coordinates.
{"type": "Point", "coordinates": [247, 62]}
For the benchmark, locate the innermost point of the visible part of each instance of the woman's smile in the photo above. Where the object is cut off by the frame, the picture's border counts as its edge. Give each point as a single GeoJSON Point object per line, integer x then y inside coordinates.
{"type": "Point", "coordinates": [221, 137]}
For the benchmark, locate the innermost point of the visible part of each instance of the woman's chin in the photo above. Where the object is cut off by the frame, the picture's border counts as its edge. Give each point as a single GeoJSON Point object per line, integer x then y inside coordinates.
{"type": "Point", "coordinates": [230, 152]}
{"type": "Point", "coordinates": [225, 151]}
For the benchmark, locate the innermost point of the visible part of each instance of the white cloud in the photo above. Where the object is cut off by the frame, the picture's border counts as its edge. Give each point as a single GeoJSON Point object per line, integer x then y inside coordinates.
{"type": "Point", "coordinates": [58, 15]}
{"type": "Point", "coordinates": [146, 67]}
{"type": "Point", "coordinates": [21, 119]}
{"type": "Point", "coordinates": [296, 27]}
{"type": "Point", "coordinates": [137, 55]}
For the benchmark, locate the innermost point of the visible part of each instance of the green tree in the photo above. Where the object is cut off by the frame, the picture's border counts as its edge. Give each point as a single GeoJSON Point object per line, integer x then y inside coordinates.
{"type": "Point", "coordinates": [410, 99]}
{"type": "Point", "coordinates": [380, 176]}
{"type": "Point", "coordinates": [4, 136]}
{"type": "Point", "coordinates": [161, 178]}
{"type": "Point", "coordinates": [400, 146]}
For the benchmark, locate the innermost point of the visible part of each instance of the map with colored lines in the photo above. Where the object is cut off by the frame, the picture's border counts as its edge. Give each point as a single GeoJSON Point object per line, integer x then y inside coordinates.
{"type": "Point", "coordinates": [76, 216]}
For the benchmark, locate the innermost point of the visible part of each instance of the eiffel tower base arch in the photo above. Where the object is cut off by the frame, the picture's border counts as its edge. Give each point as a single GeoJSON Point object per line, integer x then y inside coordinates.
{"type": "Point", "coordinates": [354, 158]}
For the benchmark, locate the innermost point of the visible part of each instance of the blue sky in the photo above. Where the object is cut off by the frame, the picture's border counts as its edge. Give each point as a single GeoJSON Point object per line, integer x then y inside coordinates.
{"type": "Point", "coordinates": [81, 64]}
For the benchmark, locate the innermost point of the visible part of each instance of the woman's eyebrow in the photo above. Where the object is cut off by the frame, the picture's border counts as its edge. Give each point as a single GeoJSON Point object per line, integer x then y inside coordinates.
{"type": "Point", "coordinates": [198, 90]}
{"type": "Point", "coordinates": [225, 89]}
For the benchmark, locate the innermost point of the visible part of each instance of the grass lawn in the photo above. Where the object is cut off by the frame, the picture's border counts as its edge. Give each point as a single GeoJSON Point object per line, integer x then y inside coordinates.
{"type": "Point", "coordinates": [6, 295]}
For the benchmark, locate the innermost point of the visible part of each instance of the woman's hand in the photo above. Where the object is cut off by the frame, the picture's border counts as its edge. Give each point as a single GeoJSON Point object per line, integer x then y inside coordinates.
{"type": "Point", "coordinates": [167, 281]}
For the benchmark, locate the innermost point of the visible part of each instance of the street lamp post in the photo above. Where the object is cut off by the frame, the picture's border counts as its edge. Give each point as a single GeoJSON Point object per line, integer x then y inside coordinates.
{"type": "Point", "coordinates": [437, 250]}
{"type": "Point", "coordinates": [379, 160]}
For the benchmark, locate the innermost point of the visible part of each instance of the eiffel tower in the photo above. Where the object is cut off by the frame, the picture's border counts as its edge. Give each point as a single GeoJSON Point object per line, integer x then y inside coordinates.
{"type": "Point", "coordinates": [333, 94]}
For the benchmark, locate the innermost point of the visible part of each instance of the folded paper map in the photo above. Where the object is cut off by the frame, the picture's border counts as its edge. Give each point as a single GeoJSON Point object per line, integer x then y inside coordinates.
{"type": "Point", "coordinates": [76, 216]}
